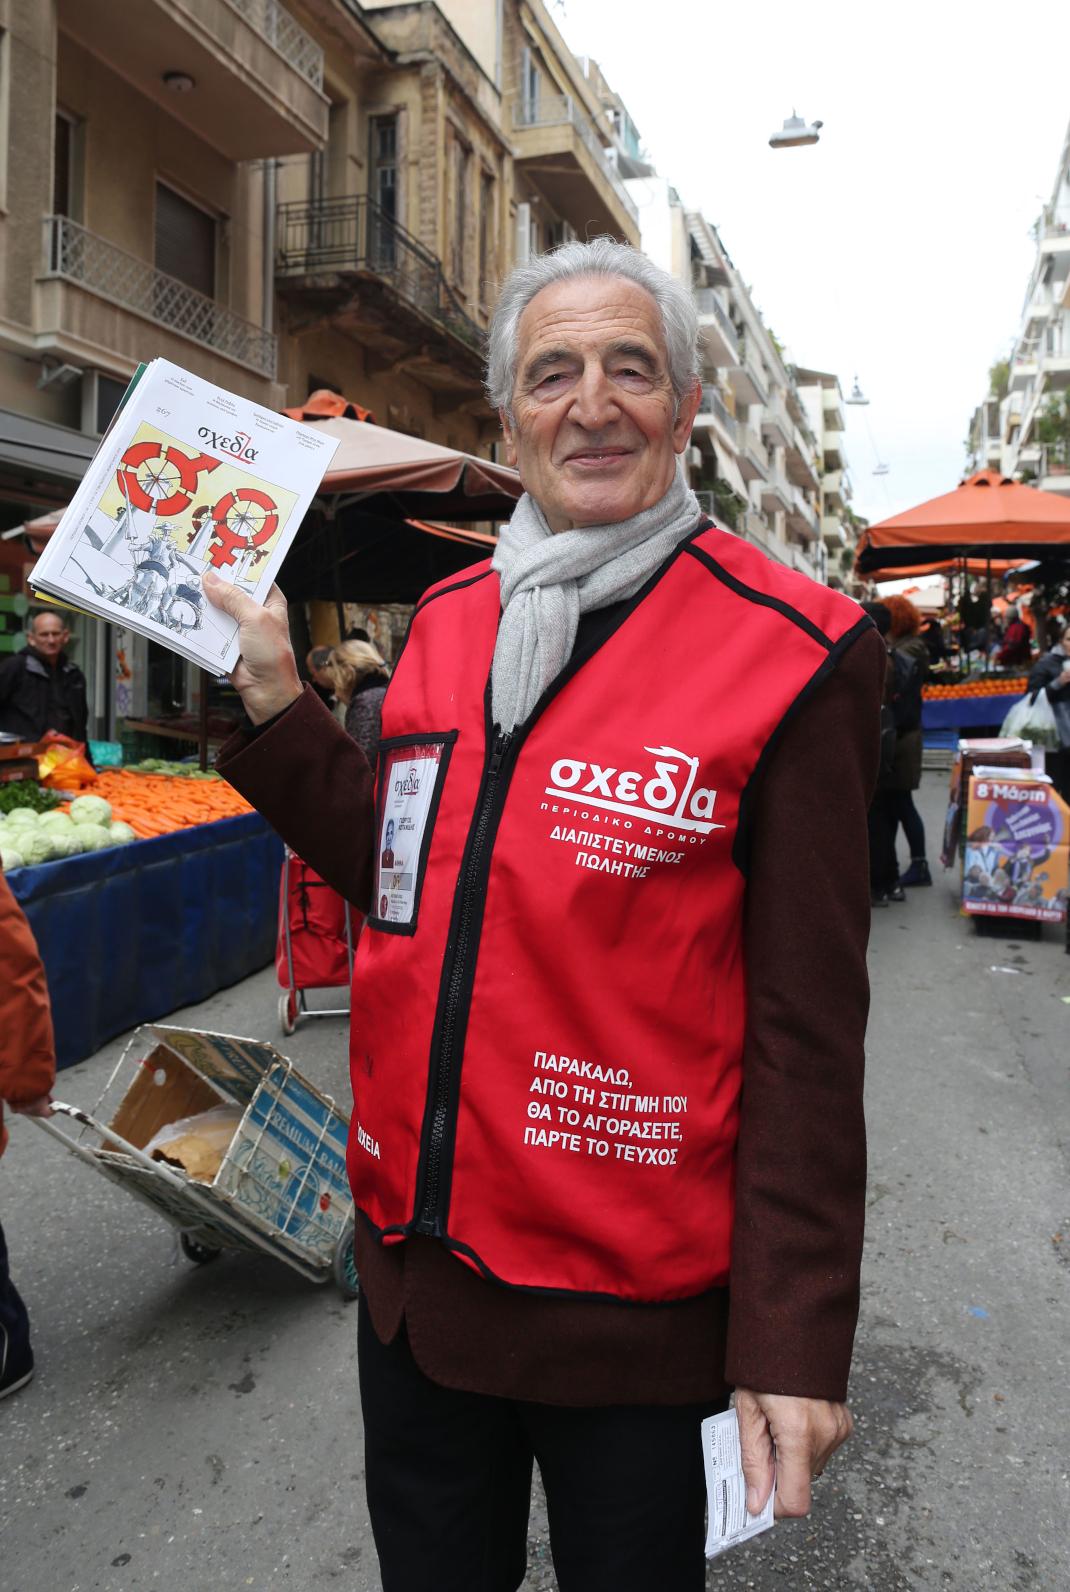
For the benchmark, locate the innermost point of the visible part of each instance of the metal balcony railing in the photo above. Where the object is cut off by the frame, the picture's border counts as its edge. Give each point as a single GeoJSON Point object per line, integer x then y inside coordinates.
{"type": "Point", "coordinates": [707, 303]}
{"type": "Point", "coordinates": [713, 404]}
{"type": "Point", "coordinates": [356, 234]}
{"type": "Point", "coordinates": [285, 35]}
{"type": "Point", "coordinates": [76, 255]}
{"type": "Point", "coordinates": [749, 357]}
{"type": "Point", "coordinates": [559, 110]}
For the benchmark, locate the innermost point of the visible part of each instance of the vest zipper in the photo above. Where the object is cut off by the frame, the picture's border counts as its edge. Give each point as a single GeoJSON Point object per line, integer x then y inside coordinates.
{"type": "Point", "coordinates": [430, 1218]}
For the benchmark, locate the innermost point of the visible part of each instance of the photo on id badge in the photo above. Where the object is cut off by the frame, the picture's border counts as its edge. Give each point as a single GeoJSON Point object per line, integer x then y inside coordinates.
{"type": "Point", "coordinates": [412, 770]}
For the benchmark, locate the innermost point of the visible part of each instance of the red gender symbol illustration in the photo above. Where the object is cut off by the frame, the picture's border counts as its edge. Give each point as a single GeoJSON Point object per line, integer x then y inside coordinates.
{"type": "Point", "coordinates": [246, 530]}
{"type": "Point", "coordinates": [167, 487]}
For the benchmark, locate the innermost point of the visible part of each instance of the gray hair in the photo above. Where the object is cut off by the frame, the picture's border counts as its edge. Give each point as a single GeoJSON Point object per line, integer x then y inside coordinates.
{"type": "Point", "coordinates": [573, 261]}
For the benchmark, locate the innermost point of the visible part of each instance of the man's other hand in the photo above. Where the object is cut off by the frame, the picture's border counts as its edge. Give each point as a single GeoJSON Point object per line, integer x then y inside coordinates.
{"type": "Point", "coordinates": [806, 1432]}
{"type": "Point", "coordinates": [266, 676]}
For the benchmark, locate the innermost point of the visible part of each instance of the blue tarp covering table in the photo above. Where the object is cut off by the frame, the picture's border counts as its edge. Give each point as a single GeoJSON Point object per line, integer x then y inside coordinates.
{"type": "Point", "coordinates": [966, 713]}
{"type": "Point", "coordinates": [133, 932]}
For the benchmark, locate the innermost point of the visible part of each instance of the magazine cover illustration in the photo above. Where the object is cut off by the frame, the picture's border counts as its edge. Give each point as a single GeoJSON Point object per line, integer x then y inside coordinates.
{"type": "Point", "coordinates": [166, 515]}
{"type": "Point", "coordinates": [188, 478]}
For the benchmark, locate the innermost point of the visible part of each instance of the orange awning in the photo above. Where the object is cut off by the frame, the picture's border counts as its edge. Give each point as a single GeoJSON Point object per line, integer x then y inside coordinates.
{"type": "Point", "coordinates": [987, 516]}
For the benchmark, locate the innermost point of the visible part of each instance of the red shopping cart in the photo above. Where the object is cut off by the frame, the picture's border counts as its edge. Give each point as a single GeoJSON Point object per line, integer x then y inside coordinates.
{"type": "Point", "coordinates": [318, 933]}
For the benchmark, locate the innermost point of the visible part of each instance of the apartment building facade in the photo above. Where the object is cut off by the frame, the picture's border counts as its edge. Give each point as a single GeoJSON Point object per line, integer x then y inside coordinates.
{"type": "Point", "coordinates": [822, 398]}
{"type": "Point", "coordinates": [1025, 431]}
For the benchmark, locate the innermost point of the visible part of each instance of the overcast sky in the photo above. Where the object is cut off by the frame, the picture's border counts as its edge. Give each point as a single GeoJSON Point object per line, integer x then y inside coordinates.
{"type": "Point", "coordinates": [898, 246]}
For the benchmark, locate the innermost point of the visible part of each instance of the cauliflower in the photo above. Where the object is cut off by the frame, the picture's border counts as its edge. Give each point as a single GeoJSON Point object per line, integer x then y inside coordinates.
{"type": "Point", "coordinates": [91, 810]}
{"type": "Point", "coordinates": [10, 859]}
{"type": "Point", "coordinates": [121, 833]}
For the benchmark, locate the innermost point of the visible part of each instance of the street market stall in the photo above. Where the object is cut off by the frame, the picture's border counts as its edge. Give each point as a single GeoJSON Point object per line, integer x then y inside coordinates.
{"type": "Point", "coordinates": [149, 894]}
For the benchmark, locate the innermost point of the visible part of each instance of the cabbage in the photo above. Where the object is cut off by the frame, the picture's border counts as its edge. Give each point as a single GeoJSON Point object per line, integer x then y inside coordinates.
{"type": "Point", "coordinates": [121, 833]}
{"type": "Point", "coordinates": [35, 845]}
{"type": "Point", "coordinates": [63, 844]}
{"type": "Point", "coordinates": [94, 837]}
{"type": "Point", "coordinates": [90, 810]}
{"type": "Point", "coordinates": [18, 816]}
{"type": "Point", "coordinates": [10, 858]}
{"type": "Point", "coordinates": [56, 821]}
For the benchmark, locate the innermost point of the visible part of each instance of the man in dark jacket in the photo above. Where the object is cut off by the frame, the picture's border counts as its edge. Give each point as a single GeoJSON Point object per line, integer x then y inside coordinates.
{"type": "Point", "coordinates": [40, 688]}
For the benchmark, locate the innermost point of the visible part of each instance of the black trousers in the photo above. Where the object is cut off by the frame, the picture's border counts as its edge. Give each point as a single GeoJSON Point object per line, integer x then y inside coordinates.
{"type": "Point", "coordinates": [14, 1322]}
{"type": "Point", "coordinates": [449, 1485]}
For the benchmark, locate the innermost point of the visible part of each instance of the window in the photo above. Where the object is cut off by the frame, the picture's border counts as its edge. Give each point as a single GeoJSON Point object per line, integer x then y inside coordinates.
{"type": "Point", "coordinates": [461, 161]}
{"type": "Point", "coordinates": [185, 241]}
{"type": "Point", "coordinates": [529, 87]}
{"type": "Point", "coordinates": [383, 190]}
{"type": "Point", "coordinates": [67, 166]}
{"type": "Point", "coordinates": [486, 235]}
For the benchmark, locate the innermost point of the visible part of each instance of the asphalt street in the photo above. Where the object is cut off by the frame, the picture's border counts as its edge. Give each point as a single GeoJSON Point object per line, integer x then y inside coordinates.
{"type": "Point", "coordinates": [198, 1427]}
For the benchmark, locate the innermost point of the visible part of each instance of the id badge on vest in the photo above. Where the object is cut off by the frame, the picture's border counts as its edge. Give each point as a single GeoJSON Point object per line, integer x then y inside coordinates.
{"type": "Point", "coordinates": [412, 770]}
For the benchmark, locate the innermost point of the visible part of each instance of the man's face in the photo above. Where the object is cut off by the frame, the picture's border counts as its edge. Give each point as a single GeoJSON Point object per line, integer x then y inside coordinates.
{"type": "Point", "coordinates": [593, 432]}
{"type": "Point", "coordinates": [48, 636]}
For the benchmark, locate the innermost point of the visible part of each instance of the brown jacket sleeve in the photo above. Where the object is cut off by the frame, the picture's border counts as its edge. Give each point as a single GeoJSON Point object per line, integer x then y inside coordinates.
{"type": "Point", "coordinates": [801, 1158]}
{"type": "Point", "coordinates": [27, 1052]}
{"type": "Point", "coordinates": [315, 788]}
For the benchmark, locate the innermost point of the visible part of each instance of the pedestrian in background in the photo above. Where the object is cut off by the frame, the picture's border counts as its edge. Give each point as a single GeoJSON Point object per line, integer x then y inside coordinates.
{"type": "Point", "coordinates": [40, 688]}
{"type": "Point", "coordinates": [1015, 648]}
{"type": "Point", "coordinates": [884, 883]}
{"type": "Point", "coordinates": [27, 1071]}
{"type": "Point", "coordinates": [1051, 673]}
{"type": "Point", "coordinates": [910, 662]}
{"type": "Point", "coordinates": [359, 677]}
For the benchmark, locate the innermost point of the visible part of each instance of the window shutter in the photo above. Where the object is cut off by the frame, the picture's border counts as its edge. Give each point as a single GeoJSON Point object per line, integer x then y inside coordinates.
{"type": "Point", "coordinates": [523, 234]}
{"type": "Point", "coordinates": [185, 241]}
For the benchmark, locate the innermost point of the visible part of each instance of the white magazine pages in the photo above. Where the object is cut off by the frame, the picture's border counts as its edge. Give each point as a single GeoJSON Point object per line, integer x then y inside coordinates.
{"type": "Point", "coordinates": [188, 477]}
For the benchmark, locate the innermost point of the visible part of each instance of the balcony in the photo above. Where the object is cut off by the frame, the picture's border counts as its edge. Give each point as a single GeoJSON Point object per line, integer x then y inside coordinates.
{"type": "Point", "coordinates": [1055, 237]}
{"type": "Point", "coordinates": [775, 494]}
{"type": "Point", "coordinates": [802, 516]}
{"type": "Point", "coordinates": [832, 532]}
{"type": "Point", "coordinates": [556, 142]}
{"type": "Point", "coordinates": [832, 410]}
{"type": "Point", "coordinates": [748, 382]}
{"type": "Point", "coordinates": [257, 75]}
{"type": "Point", "coordinates": [719, 336]}
{"type": "Point", "coordinates": [753, 458]}
{"type": "Point", "coordinates": [713, 408]}
{"type": "Point", "coordinates": [347, 262]}
{"type": "Point", "coordinates": [776, 426]}
{"type": "Point", "coordinates": [835, 452]}
{"type": "Point", "coordinates": [800, 460]}
{"type": "Point", "coordinates": [835, 488]}
{"type": "Point", "coordinates": [95, 303]}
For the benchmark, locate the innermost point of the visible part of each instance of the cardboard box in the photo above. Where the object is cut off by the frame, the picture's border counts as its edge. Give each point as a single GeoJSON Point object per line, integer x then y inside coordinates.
{"type": "Point", "coordinates": [284, 1170]}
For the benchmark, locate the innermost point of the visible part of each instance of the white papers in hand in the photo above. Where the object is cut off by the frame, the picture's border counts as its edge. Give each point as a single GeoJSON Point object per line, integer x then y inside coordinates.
{"type": "Point", "coordinates": [726, 1490]}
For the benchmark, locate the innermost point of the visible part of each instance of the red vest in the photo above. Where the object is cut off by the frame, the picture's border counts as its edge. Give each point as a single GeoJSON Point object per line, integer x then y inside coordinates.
{"type": "Point", "coordinates": [548, 1001]}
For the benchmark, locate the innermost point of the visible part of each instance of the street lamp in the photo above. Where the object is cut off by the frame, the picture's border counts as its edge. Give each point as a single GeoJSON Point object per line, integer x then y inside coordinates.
{"type": "Point", "coordinates": [794, 132]}
{"type": "Point", "coordinates": [857, 395]}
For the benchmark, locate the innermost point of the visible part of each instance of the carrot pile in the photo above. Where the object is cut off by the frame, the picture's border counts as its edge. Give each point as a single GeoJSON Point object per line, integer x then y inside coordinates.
{"type": "Point", "coordinates": [158, 804]}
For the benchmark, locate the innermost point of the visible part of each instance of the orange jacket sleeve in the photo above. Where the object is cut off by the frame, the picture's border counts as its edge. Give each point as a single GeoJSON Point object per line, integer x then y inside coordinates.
{"type": "Point", "coordinates": [27, 1052]}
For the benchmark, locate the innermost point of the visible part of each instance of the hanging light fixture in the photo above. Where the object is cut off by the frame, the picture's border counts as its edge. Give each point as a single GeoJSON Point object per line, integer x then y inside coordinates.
{"type": "Point", "coordinates": [857, 395]}
{"type": "Point", "coordinates": [794, 132]}
{"type": "Point", "coordinates": [881, 469]}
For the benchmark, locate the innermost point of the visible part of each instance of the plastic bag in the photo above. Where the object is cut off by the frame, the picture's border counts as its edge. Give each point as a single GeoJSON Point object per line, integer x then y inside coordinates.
{"type": "Point", "coordinates": [197, 1144]}
{"type": "Point", "coordinates": [1033, 720]}
{"type": "Point", "coordinates": [62, 763]}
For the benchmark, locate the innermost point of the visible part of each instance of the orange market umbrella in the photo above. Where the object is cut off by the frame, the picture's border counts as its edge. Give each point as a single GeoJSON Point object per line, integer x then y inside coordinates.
{"type": "Point", "coordinates": [987, 517]}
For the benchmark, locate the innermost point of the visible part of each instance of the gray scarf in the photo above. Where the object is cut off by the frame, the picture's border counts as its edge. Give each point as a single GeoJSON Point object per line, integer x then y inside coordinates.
{"type": "Point", "coordinates": [548, 581]}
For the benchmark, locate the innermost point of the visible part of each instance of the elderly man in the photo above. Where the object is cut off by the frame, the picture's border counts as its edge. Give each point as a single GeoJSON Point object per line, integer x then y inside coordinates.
{"type": "Point", "coordinates": [607, 1150]}
{"type": "Point", "coordinates": [40, 688]}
